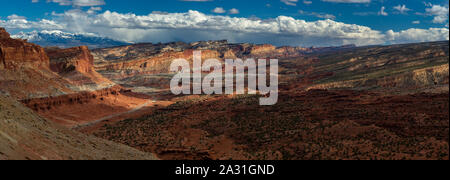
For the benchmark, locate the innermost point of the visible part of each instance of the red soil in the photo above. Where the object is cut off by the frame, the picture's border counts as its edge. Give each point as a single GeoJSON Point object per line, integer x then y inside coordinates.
{"type": "Point", "coordinates": [76, 109]}
{"type": "Point", "coordinates": [316, 124]}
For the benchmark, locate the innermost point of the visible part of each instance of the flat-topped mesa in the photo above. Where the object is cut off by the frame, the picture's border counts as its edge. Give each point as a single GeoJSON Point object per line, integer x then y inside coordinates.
{"type": "Point", "coordinates": [17, 53]}
{"type": "Point", "coordinates": [257, 50]}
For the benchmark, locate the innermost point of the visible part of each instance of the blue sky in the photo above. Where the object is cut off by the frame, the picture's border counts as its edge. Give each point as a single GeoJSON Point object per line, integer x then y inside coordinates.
{"type": "Point", "coordinates": [388, 21]}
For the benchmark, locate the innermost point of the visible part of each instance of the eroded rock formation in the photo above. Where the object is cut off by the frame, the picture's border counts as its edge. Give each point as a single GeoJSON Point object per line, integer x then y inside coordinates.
{"type": "Point", "coordinates": [66, 60]}
{"type": "Point", "coordinates": [77, 65]}
{"type": "Point", "coordinates": [15, 54]}
{"type": "Point", "coordinates": [128, 61]}
{"type": "Point", "coordinates": [25, 72]}
{"type": "Point", "coordinates": [62, 80]}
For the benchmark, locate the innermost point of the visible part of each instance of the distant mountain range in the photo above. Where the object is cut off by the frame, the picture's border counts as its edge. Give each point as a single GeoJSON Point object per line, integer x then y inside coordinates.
{"type": "Point", "coordinates": [67, 40]}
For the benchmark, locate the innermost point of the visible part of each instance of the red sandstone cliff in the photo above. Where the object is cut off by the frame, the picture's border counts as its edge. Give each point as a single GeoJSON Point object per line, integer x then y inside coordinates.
{"type": "Point", "coordinates": [126, 61]}
{"type": "Point", "coordinates": [65, 60]}
{"type": "Point", "coordinates": [15, 54]}
{"type": "Point", "coordinates": [77, 65]}
{"type": "Point", "coordinates": [25, 72]}
{"type": "Point", "coordinates": [60, 84]}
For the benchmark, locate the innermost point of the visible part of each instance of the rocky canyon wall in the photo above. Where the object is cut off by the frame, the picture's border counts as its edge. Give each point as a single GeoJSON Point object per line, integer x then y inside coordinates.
{"type": "Point", "coordinates": [25, 72]}
{"type": "Point", "coordinates": [71, 59]}
{"type": "Point", "coordinates": [17, 54]}
{"type": "Point", "coordinates": [77, 65]}
{"type": "Point", "coordinates": [143, 59]}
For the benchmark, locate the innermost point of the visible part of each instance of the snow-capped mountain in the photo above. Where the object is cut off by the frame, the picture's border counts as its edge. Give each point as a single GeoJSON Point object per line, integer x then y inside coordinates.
{"type": "Point", "coordinates": [67, 40]}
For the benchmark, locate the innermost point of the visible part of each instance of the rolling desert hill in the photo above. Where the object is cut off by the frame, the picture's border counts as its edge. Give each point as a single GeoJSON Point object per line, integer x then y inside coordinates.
{"type": "Point", "coordinates": [411, 66]}
{"type": "Point", "coordinates": [26, 135]}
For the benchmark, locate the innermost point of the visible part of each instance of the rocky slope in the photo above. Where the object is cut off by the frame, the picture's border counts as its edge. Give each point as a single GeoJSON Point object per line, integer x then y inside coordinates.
{"type": "Point", "coordinates": [25, 135]}
{"type": "Point", "coordinates": [407, 68]}
{"type": "Point", "coordinates": [62, 86]}
{"type": "Point", "coordinates": [81, 108]}
{"type": "Point", "coordinates": [436, 76]}
{"type": "Point", "coordinates": [29, 71]}
{"type": "Point", "coordinates": [16, 54]}
{"type": "Point", "coordinates": [77, 65]}
{"type": "Point", "coordinates": [25, 72]}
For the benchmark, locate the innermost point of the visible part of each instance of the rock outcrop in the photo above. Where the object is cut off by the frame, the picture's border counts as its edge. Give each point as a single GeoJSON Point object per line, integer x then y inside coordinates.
{"type": "Point", "coordinates": [427, 78]}
{"type": "Point", "coordinates": [25, 72]}
{"type": "Point", "coordinates": [4, 34]}
{"type": "Point", "coordinates": [84, 108]}
{"type": "Point", "coordinates": [77, 65]}
{"type": "Point", "coordinates": [66, 60]}
{"type": "Point", "coordinates": [15, 53]}
{"type": "Point", "coordinates": [407, 68]}
{"type": "Point", "coordinates": [397, 66]}
{"type": "Point", "coordinates": [45, 104]}
{"type": "Point", "coordinates": [127, 61]}
{"type": "Point", "coordinates": [59, 84]}
{"type": "Point", "coordinates": [29, 71]}
{"type": "Point", "coordinates": [262, 49]}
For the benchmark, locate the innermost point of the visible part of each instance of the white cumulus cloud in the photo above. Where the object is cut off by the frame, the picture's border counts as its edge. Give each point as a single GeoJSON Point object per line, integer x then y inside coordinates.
{"type": "Point", "coordinates": [402, 9]}
{"type": "Point", "coordinates": [194, 26]}
{"type": "Point", "coordinates": [440, 13]}
{"type": "Point", "coordinates": [219, 10]}
{"type": "Point", "coordinates": [417, 35]}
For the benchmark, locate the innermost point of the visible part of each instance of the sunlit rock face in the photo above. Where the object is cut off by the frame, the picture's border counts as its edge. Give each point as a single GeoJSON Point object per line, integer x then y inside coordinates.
{"type": "Point", "coordinates": [16, 53]}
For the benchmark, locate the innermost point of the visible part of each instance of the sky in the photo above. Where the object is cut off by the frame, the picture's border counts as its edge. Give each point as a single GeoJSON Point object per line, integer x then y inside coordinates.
{"type": "Point", "coordinates": [279, 22]}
